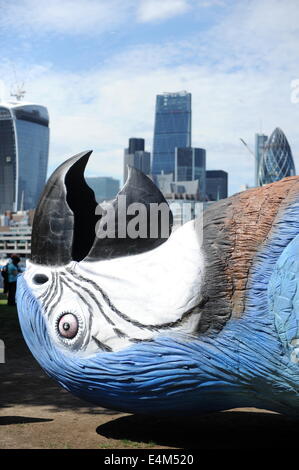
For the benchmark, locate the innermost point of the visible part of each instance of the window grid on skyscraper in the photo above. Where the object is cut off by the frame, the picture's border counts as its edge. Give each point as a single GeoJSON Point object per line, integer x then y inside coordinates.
{"type": "Point", "coordinates": [172, 129]}
{"type": "Point", "coordinates": [277, 160]}
{"type": "Point", "coordinates": [24, 148]}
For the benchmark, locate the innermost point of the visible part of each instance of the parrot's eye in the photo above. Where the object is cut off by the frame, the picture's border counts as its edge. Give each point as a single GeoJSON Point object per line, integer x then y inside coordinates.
{"type": "Point", "coordinates": [69, 329]}
{"type": "Point", "coordinates": [68, 325]}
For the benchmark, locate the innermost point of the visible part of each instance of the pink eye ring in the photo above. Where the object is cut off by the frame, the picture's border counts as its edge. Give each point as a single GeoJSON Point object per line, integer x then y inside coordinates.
{"type": "Point", "coordinates": [68, 326]}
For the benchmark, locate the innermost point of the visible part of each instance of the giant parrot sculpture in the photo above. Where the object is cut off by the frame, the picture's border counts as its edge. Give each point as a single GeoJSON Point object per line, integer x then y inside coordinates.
{"type": "Point", "coordinates": [168, 326]}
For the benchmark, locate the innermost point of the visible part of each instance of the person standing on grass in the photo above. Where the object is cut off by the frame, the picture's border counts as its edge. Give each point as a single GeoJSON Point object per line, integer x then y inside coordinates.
{"type": "Point", "coordinates": [4, 278]}
{"type": "Point", "coordinates": [12, 270]}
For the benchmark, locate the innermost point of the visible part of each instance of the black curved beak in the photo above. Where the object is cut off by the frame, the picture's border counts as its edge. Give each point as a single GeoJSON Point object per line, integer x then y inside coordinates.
{"type": "Point", "coordinates": [65, 221]}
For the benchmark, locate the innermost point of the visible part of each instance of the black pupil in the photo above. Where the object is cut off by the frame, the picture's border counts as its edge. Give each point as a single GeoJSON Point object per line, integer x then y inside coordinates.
{"type": "Point", "coordinates": [40, 279]}
{"type": "Point", "coordinates": [66, 326]}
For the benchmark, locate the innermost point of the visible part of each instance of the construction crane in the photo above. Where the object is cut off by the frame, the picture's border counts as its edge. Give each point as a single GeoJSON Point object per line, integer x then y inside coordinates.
{"type": "Point", "coordinates": [248, 148]}
{"type": "Point", "coordinates": [17, 89]}
{"type": "Point", "coordinates": [252, 153]}
{"type": "Point", "coordinates": [19, 92]}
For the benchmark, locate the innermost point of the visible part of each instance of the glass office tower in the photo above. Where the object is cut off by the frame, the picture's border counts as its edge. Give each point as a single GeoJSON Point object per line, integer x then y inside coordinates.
{"type": "Point", "coordinates": [172, 129]}
{"type": "Point", "coordinates": [260, 143]}
{"type": "Point", "coordinates": [24, 150]}
{"type": "Point", "coordinates": [190, 165]}
{"type": "Point", "coordinates": [277, 161]}
{"type": "Point", "coordinates": [137, 157]}
{"type": "Point", "coordinates": [216, 184]}
{"type": "Point", "coordinates": [136, 144]}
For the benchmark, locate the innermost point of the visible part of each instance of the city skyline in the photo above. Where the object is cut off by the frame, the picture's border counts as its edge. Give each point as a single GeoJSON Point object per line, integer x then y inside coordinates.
{"type": "Point", "coordinates": [99, 73]}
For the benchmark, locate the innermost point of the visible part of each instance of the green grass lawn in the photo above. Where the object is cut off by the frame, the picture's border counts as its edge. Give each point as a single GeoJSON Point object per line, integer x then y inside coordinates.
{"type": "Point", "coordinates": [3, 298]}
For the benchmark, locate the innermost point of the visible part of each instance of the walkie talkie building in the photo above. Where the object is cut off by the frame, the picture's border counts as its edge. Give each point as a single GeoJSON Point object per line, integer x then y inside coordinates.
{"type": "Point", "coordinates": [277, 160]}
{"type": "Point", "coordinates": [24, 149]}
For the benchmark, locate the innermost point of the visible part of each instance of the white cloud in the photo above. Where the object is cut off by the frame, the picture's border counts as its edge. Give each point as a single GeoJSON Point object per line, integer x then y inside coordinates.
{"type": "Point", "coordinates": [75, 17]}
{"type": "Point", "coordinates": [103, 110]}
{"type": "Point", "coordinates": [64, 16]}
{"type": "Point", "coordinates": [152, 10]}
{"type": "Point", "coordinates": [239, 74]}
{"type": "Point", "coordinates": [211, 3]}
{"type": "Point", "coordinates": [257, 34]}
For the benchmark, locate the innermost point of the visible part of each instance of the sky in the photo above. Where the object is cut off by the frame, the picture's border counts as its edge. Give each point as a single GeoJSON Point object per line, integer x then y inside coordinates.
{"type": "Point", "coordinates": [98, 65]}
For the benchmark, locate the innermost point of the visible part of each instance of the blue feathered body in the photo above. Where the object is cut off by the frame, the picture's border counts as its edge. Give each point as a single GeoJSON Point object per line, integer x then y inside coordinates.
{"type": "Point", "coordinates": [248, 363]}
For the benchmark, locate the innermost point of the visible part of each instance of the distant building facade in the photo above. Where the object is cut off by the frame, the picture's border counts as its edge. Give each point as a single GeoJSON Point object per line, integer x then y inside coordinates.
{"type": "Point", "coordinates": [137, 157]}
{"type": "Point", "coordinates": [15, 234]}
{"type": "Point", "coordinates": [184, 210]}
{"type": "Point", "coordinates": [190, 165]}
{"type": "Point", "coordinates": [277, 160]}
{"type": "Point", "coordinates": [172, 129]}
{"type": "Point", "coordinates": [15, 239]}
{"type": "Point", "coordinates": [260, 143]}
{"type": "Point", "coordinates": [216, 184]}
{"type": "Point", "coordinates": [105, 188]}
{"type": "Point", "coordinates": [188, 190]}
{"type": "Point", "coordinates": [24, 151]}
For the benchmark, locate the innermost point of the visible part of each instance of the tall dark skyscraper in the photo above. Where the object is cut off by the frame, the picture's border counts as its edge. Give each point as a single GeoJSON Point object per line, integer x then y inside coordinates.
{"type": "Point", "coordinates": [277, 160]}
{"type": "Point", "coordinates": [190, 165]}
{"type": "Point", "coordinates": [135, 145]}
{"type": "Point", "coordinates": [216, 184]}
{"type": "Point", "coordinates": [24, 149]}
{"type": "Point", "coordinates": [172, 129]}
{"type": "Point", "coordinates": [136, 157]}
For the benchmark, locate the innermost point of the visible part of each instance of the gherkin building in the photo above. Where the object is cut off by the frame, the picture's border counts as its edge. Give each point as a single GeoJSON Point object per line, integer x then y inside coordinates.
{"type": "Point", "coordinates": [277, 160]}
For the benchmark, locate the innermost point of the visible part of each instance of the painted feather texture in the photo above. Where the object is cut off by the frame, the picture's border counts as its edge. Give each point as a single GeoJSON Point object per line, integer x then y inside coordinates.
{"type": "Point", "coordinates": [183, 327]}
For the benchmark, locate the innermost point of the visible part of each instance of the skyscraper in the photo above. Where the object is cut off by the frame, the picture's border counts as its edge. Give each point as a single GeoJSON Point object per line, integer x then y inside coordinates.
{"type": "Point", "coordinates": [136, 145]}
{"type": "Point", "coordinates": [24, 149]}
{"type": "Point", "coordinates": [216, 184]}
{"type": "Point", "coordinates": [105, 188]}
{"type": "Point", "coordinates": [277, 160]}
{"type": "Point", "coordinates": [190, 165]}
{"type": "Point", "coordinates": [260, 143]}
{"type": "Point", "coordinates": [172, 129]}
{"type": "Point", "coordinates": [136, 157]}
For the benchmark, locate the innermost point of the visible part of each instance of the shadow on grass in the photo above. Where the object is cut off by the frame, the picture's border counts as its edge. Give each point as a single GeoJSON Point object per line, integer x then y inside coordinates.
{"type": "Point", "coordinates": [5, 420]}
{"type": "Point", "coordinates": [23, 382]}
{"type": "Point", "coordinates": [221, 430]}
